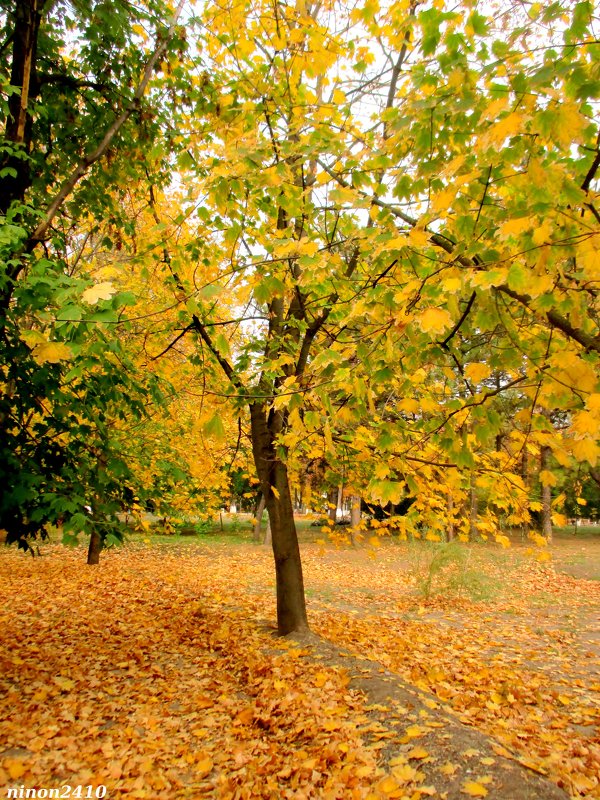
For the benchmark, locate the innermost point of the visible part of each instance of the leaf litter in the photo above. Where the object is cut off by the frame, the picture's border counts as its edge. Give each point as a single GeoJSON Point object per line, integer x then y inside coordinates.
{"type": "Point", "coordinates": [156, 676]}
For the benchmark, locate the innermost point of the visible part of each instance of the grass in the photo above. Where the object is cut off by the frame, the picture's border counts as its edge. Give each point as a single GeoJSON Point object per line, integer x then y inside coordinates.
{"type": "Point", "coordinates": [577, 531]}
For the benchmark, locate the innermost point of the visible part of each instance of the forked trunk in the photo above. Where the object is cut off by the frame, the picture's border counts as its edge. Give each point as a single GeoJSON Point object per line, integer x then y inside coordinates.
{"type": "Point", "coordinates": [273, 476]}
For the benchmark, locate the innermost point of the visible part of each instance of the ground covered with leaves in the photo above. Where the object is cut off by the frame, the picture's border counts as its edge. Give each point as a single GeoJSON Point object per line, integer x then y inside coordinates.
{"type": "Point", "coordinates": [158, 675]}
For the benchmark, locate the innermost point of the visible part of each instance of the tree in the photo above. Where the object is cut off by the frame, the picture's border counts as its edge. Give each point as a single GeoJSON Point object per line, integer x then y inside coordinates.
{"type": "Point", "coordinates": [74, 80]}
{"type": "Point", "coordinates": [387, 191]}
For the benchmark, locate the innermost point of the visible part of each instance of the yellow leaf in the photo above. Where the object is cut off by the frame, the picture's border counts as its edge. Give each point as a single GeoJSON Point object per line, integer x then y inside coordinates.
{"type": "Point", "coordinates": [548, 478]}
{"type": "Point", "coordinates": [434, 320]}
{"type": "Point", "coordinates": [405, 773]}
{"type": "Point", "coordinates": [64, 683]}
{"type": "Point", "coordinates": [586, 450]}
{"type": "Point", "coordinates": [474, 789]}
{"type": "Point", "coordinates": [443, 200]}
{"type": "Point", "coordinates": [32, 338]}
{"type": "Point", "coordinates": [503, 540]}
{"type": "Point", "coordinates": [568, 125]}
{"type": "Point", "coordinates": [499, 131]}
{"type": "Point", "coordinates": [541, 233]}
{"type": "Point", "coordinates": [52, 352]}
{"type": "Point", "coordinates": [203, 767]}
{"type": "Point", "coordinates": [585, 422]}
{"type": "Point", "coordinates": [418, 237]}
{"type": "Point", "coordinates": [275, 492]}
{"type": "Point", "coordinates": [477, 372]}
{"type": "Point", "coordinates": [387, 785]}
{"type": "Point", "coordinates": [418, 753]}
{"type": "Point", "coordinates": [449, 769]}
{"type": "Point", "coordinates": [321, 679]}
{"type": "Point", "coordinates": [593, 402]}
{"type": "Point", "coordinates": [414, 731]}
{"type": "Point", "coordinates": [15, 768]}
{"type": "Point", "coordinates": [101, 291]}
{"type": "Point", "coordinates": [514, 227]}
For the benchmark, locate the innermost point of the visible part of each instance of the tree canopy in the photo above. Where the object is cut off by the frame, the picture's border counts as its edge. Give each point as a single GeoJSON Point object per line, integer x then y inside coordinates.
{"type": "Point", "coordinates": [366, 235]}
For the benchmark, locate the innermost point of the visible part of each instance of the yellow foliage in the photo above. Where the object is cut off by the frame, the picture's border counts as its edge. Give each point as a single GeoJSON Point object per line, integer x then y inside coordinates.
{"type": "Point", "coordinates": [477, 372]}
{"type": "Point", "coordinates": [101, 291]}
{"type": "Point", "coordinates": [434, 320]}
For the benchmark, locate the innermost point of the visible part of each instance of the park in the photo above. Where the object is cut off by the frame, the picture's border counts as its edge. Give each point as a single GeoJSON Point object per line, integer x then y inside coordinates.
{"type": "Point", "coordinates": [161, 676]}
{"type": "Point", "coordinates": [299, 399]}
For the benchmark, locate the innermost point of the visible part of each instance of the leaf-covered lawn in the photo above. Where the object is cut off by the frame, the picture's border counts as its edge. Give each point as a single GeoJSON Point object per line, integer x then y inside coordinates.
{"type": "Point", "coordinates": [157, 674]}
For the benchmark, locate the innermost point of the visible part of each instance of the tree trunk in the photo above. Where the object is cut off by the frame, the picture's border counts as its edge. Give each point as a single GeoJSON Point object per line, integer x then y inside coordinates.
{"type": "Point", "coordinates": [95, 547]}
{"type": "Point", "coordinates": [355, 515]}
{"type": "Point", "coordinates": [18, 121]}
{"type": "Point", "coordinates": [340, 500]}
{"type": "Point", "coordinates": [546, 496]}
{"type": "Point", "coordinates": [450, 511]}
{"type": "Point", "coordinates": [332, 498]}
{"type": "Point", "coordinates": [474, 510]}
{"type": "Point", "coordinates": [258, 512]}
{"type": "Point", "coordinates": [273, 476]}
{"type": "Point", "coordinates": [268, 537]}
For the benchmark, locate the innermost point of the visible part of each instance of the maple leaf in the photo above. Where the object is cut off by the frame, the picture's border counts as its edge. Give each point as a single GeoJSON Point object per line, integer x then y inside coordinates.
{"type": "Point", "coordinates": [100, 291]}
{"type": "Point", "coordinates": [52, 352]}
{"type": "Point", "coordinates": [434, 320]}
{"type": "Point", "coordinates": [474, 789]}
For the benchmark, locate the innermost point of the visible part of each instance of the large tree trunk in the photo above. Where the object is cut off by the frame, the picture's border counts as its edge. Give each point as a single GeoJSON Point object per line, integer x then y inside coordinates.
{"type": "Point", "coordinates": [16, 180]}
{"type": "Point", "coordinates": [95, 547]}
{"type": "Point", "coordinates": [273, 476]}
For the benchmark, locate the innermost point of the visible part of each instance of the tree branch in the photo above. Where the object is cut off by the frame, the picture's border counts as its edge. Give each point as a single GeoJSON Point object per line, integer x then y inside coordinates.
{"type": "Point", "coordinates": [458, 325]}
{"type": "Point", "coordinates": [188, 328]}
{"type": "Point", "coordinates": [554, 317]}
{"type": "Point", "coordinates": [84, 165]}
{"type": "Point", "coordinates": [557, 321]}
{"type": "Point", "coordinates": [223, 363]}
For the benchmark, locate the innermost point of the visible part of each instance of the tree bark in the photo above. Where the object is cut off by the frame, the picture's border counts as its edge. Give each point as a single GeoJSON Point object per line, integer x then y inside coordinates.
{"type": "Point", "coordinates": [28, 14]}
{"type": "Point", "coordinates": [546, 496]}
{"type": "Point", "coordinates": [273, 476]}
{"type": "Point", "coordinates": [258, 512]}
{"type": "Point", "coordinates": [355, 515]}
{"type": "Point", "coordinates": [268, 537]}
{"type": "Point", "coordinates": [94, 548]}
{"type": "Point", "coordinates": [450, 511]}
{"type": "Point", "coordinates": [332, 499]}
{"type": "Point", "coordinates": [473, 511]}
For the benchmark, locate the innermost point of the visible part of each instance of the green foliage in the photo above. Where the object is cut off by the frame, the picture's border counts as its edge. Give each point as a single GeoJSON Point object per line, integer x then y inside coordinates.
{"type": "Point", "coordinates": [446, 569]}
{"type": "Point", "coordinates": [195, 528]}
{"type": "Point", "coordinates": [68, 388]}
